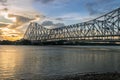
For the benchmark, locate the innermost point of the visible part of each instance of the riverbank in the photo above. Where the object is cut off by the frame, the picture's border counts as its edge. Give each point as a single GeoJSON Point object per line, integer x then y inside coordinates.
{"type": "Point", "coordinates": [88, 76]}
{"type": "Point", "coordinates": [61, 42]}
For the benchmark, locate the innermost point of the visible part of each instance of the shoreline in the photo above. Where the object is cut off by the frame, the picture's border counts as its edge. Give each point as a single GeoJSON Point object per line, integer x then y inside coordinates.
{"type": "Point", "coordinates": [73, 43]}
{"type": "Point", "coordinates": [79, 76]}
{"type": "Point", "coordinates": [93, 76]}
{"type": "Point", "coordinates": [86, 76]}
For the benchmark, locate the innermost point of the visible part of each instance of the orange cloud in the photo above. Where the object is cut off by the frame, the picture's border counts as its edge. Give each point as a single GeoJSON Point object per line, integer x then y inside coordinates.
{"type": "Point", "coordinates": [13, 30]}
{"type": "Point", "coordinates": [10, 34]}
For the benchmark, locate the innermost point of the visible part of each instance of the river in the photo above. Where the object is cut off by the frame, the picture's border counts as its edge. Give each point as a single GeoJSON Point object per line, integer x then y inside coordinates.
{"type": "Point", "coordinates": [30, 62]}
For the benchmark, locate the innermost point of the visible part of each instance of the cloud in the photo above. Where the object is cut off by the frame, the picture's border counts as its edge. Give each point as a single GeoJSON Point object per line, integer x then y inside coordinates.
{"type": "Point", "coordinates": [44, 1]}
{"type": "Point", "coordinates": [50, 24]}
{"type": "Point", "coordinates": [74, 17]}
{"type": "Point", "coordinates": [47, 23]}
{"type": "Point", "coordinates": [15, 15]}
{"type": "Point", "coordinates": [0, 32]}
{"type": "Point", "coordinates": [101, 6]}
{"type": "Point", "coordinates": [91, 9]}
{"type": "Point", "coordinates": [20, 20]}
{"type": "Point", "coordinates": [1, 38]}
{"type": "Point", "coordinates": [59, 19]}
{"type": "Point", "coordinates": [70, 16]}
{"type": "Point", "coordinates": [3, 2]}
{"type": "Point", "coordinates": [59, 24]}
{"type": "Point", "coordinates": [4, 20]}
{"type": "Point", "coordinates": [50, 1]}
{"type": "Point", "coordinates": [10, 34]}
{"type": "Point", "coordinates": [3, 25]}
{"type": "Point", "coordinates": [13, 31]}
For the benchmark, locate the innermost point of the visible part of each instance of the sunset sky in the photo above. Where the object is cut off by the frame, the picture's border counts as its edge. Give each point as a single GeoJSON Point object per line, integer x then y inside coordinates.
{"type": "Point", "coordinates": [15, 15]}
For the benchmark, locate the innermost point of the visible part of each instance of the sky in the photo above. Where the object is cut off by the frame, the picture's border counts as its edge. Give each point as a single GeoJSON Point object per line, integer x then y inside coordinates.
{"type": "Point", "coordinates": [15, 15]}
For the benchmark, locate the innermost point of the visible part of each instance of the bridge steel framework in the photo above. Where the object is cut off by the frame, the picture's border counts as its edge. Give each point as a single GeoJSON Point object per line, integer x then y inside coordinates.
{"type": "Point", "coordinates": [105, 27]}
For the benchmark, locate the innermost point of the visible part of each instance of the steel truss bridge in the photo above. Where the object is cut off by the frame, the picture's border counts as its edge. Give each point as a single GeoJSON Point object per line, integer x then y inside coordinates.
{"type": "Point", "coordinates": [103, 28]}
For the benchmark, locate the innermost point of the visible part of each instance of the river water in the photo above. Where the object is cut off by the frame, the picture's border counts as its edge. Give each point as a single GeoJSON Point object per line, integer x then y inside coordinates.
{"type": "Point", "coordinates": [31, 62]}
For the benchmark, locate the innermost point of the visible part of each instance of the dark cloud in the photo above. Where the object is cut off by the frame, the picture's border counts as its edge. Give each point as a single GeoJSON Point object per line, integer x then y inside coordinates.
{"type": "Point", "coordinates": [100, 6]}
{"type": "Point", "coordinates": [20, 20]}
{"type": "Point", "coordinates": [3, 25]}
{"type": "Point", "coordinates": [104, 1]}
{"type": "Point", "coordinates": [59, 25]}
{"type": "Point", "coordinates": [59, 19]}
{"type": "Point", "coordinates": [47, 23]}
{"type": "Point", "coordinates": [1, 38]}
{"type": "Point", "coordinates": [15, 26]}
{"type": "Point", "coordinates": [44, 1]}
{"type": "Point", "coordinates": [0, 32]}
{"type": "Point", "coordinates": [50, 24]}
{"type": "Point", "coordinates": [4, 2]}
{"type": "Point", "coordinates": [91, 9]}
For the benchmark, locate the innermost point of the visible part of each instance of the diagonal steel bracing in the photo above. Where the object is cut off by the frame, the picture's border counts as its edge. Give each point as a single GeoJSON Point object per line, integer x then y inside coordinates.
{"type": "Point", "coordinates": [106, 27]}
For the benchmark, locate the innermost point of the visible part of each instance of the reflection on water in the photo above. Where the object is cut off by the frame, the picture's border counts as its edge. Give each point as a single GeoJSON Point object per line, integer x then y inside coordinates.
{"type": "Point", "coordinates": [25, 62]}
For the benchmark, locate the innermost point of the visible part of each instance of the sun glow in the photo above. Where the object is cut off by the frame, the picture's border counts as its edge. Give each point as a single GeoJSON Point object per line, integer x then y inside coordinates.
{"type": "Point", "coordinates": [11, 34]}
{"type": "Point", "coordinates": [12, 25]}
{"type": "Point", "coordinates": [7, 32]}
{"type": "Point", "coordinates": [6, 15]}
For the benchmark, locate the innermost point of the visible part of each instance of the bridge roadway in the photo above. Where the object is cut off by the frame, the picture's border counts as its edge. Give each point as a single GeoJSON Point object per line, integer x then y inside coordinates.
{"type": "Point", "coordinates": [105, 28]}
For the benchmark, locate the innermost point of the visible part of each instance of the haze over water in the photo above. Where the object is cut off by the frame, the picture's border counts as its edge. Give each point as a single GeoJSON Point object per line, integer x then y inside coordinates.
{"type": "Point", "coordinates": [26, 62]}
